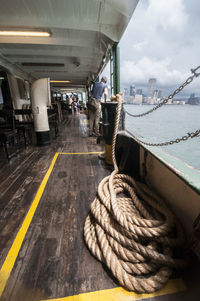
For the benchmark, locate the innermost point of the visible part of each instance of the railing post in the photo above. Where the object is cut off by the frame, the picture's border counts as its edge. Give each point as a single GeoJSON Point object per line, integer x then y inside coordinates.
{"type": "Point", "coordinates": [115, 69]}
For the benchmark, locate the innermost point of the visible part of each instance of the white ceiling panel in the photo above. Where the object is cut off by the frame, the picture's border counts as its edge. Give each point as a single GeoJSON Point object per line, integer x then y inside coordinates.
{"type": "Point", "coordinates": [82, 34]}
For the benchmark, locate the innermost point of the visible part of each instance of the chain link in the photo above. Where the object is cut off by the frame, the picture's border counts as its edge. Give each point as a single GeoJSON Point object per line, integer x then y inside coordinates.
{"type": "Point", "coordinates": [184, 138]}
{"type": "Point", "coordinates": [171, 96]}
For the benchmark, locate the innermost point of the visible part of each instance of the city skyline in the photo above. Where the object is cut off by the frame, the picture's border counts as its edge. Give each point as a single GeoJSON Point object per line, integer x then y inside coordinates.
{"type": "Point", "coordinates": [161, 93]}
{"type": "Point", "coordinates": [166, 51]}
{"type": "Point", "coordinates": [136, 95]}
{"type": "Point", "coordinates": [161, 41]}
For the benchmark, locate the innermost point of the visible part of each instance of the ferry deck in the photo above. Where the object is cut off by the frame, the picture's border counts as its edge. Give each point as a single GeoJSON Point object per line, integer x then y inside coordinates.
{"type": "Point", "coordinates": [46, 191]}
{"type": "Point", "coordinates": [46, 194]}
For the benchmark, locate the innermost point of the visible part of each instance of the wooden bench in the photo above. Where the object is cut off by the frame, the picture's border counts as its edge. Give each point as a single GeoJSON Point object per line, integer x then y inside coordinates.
{"type": "Point", "coordinates": [8, 133]}
{"type": "Point", "coordinates": [52, 116]}
{"type": "Point", "coordinates": [24, 127]}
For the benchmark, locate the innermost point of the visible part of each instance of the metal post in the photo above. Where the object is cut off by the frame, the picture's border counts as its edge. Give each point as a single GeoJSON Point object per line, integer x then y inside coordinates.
{"type": "Point", "coordinates": [111, 73]}
{"type": "Point", "coordinates": [115, 69]}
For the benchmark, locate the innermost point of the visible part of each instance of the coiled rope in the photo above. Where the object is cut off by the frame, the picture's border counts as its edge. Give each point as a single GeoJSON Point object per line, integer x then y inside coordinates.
{"type": "Point", "coordinates": [134, 237]}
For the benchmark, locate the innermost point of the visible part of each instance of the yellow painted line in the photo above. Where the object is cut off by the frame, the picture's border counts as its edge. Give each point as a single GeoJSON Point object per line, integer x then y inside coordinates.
{"type": "Point", "coordinates": [89, 153]}
{"type": "Point", "coordinates": [115, 294]}
{"type": "Point", "coordinates": [14, 250]}
{"type": "Point", "coordinates": [120, 294]}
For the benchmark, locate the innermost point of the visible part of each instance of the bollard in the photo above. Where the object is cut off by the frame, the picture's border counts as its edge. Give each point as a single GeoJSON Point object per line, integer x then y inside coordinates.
{"type": "Point", "coordinates": [108, 123]}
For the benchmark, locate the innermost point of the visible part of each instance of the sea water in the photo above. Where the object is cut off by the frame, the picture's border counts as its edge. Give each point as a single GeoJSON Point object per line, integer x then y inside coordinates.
{"type": "Point", "coordinates": [165, 124]}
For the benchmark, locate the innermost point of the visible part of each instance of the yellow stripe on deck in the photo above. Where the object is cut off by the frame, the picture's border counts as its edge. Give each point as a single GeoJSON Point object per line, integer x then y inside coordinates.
{"type": "Point", "coordinates": [115, 294]}
{"type": "Point", "coordinates": [120, 294]}
{"type": "Point", "coordinates": [15, 248]}
{"type": "Point", "coordinates": [89, 153]}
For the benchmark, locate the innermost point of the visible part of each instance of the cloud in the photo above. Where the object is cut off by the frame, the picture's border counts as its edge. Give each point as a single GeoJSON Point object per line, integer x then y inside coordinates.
{"type": "Point", "coordinates": [139, 72]}
{"type": "Point", "coordinates": [140, 45]}
{"type": "Point", "coordinates": [161, 41]}
{"type": "Point", "coordinates": [168, 14]}
{"type": "Point", "coordinates": [157, 29]}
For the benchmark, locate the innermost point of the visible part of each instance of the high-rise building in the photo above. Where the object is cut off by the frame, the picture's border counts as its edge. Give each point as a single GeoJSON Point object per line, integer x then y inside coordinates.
{"type": "Point", "coordinates": [126, 91]}
{"type": "Point", "coordinates": [159, 94]}
{"type": "Point", "coordinates": [192, 100]}
{"type": "Point", "coordinates": [138, 99]}
{"type": "Point", "coordinates": [155, 93]}
{"type": "Point", "coordinates": [139, 91]}
{"type": "Point", "coordinates": [151, 87]}
{"type": "Point", "coordinates": [132, 90]}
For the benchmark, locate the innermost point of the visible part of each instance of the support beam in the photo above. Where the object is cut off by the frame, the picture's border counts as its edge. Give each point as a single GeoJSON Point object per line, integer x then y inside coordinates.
{"type": "Point", "coordinates": [115, 69]}
{"type": "Point", "coordinates": [9, 66]}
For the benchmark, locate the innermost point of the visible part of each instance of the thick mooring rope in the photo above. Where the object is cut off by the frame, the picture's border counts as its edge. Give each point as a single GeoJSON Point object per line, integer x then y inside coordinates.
{"type": "Point", "coordinates": [134, 237]}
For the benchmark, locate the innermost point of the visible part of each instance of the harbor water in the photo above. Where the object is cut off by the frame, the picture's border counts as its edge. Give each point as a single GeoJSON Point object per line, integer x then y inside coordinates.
{"type": "Point", "coordinates": [165, 124]}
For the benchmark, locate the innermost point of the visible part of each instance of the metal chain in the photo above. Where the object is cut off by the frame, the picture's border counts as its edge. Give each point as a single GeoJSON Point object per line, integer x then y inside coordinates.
{"type": "Point", "coordinates": [184, 138]}
{"type": "Point", "coordinates": [171, 96]}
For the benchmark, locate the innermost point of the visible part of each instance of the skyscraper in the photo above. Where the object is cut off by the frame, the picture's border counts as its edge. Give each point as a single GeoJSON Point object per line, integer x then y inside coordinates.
{"type": "Point", "coordinates": [139, 91]}
{"type": "Point", "coordinates": [125, 91]}
{"type": "Point", "coordinates": [132, 90]}
{"type": "Point", "coordinates": [155, 93]}
{"type": "Point", "coordinates": [151, 87]}
{"type": "Point", "coordinates": [159, 94]}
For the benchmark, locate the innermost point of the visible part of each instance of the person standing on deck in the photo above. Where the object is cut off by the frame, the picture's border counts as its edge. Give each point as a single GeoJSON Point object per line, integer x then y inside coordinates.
{"type": "Point", "coordinates": [98, 90]}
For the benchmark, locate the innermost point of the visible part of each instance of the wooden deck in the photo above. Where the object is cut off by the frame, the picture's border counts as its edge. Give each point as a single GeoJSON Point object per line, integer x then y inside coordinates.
{"type": "Point", "coordinates": [45, 196]}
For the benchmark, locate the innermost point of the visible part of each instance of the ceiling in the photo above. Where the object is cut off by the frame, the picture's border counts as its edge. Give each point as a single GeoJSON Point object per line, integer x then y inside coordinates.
{"type": "Point", "coordinates": [82, 34]}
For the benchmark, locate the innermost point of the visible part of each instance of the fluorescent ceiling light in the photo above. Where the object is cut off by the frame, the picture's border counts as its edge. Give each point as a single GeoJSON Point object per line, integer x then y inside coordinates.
{"type": "Point", "coordinates": [24, 33]}
{"type": "Point", "coordinates": [59, 81]}
{"type": "Point", "coordinates": [27, 64]}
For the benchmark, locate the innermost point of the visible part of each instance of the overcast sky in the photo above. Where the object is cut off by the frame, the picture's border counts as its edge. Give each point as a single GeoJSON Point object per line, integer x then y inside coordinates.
{"type": "Point", "coordinates": [161, 41]}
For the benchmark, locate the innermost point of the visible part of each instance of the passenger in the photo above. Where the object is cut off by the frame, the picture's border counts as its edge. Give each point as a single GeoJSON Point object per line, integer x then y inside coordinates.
{"type": "Point", "coordinates": [78, 105]}
{"type": "Point", "coordinates": [69, 104]}
{"type": "Point", "coordinates": [98, 90]}
{"type": "Point", "coordinates": [75, 106]}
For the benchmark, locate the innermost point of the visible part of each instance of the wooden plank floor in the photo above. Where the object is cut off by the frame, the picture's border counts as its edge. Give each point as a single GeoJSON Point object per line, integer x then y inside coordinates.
{"type": "Point", "coordinates": [53, 261]}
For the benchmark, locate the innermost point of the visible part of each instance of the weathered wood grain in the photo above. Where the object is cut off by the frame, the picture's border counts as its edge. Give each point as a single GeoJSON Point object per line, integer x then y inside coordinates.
{"type": "Point", "coordinates": [53, 261]}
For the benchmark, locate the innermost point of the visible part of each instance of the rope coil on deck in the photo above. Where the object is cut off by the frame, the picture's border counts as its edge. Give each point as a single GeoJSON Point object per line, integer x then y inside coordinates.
{"type": "Point", "coordinates": [133, 237]}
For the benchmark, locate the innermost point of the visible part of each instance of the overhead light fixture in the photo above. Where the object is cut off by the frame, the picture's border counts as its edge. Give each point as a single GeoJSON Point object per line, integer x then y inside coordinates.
{"type": "Point", "coordinates": [27, 64]}
{"type": "Point", "coordinates": [24, 33]}
{"type": "Point", "coordinates": [60, 81]}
